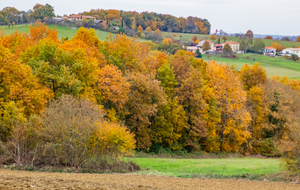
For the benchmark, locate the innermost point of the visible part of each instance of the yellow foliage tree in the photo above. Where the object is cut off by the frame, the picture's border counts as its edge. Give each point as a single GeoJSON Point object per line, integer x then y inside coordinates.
{"type": "Point", "coordinates": [231, 97]}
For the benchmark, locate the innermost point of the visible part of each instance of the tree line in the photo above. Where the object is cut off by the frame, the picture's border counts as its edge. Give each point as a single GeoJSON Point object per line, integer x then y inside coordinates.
{"type": "Point", "coordinates": [127, 96]}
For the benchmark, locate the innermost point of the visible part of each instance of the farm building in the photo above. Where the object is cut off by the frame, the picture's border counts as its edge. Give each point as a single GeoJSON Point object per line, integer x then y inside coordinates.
{"type": "Point", "coordinates": [218, 47]}
{"type": "Point", "coordinates": [290, 51]}
{"type": "Point", "coordinates": [235, 46]}
{"type": "Point", "coordinates": [193, 49]}
{"type": "Point", "coordinates": [80, 17]}
{"type": "Point", "coordinates": [200, 44]}
{"type": "Point", "coordinates": [270, 51]}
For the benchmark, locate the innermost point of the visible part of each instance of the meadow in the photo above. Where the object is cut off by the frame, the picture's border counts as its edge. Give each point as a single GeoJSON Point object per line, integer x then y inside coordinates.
{"type": "Point", "coordinates": [273, 65]}
{"type": "Point", "coordinates": [62, 31]}
{"type": "Point", "coordinates": [227, 167]}
{"type": "Point", "coordinates": [188, 37]}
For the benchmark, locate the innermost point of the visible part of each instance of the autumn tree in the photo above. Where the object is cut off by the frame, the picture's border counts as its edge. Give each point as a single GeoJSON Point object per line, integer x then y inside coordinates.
{"type": "Point", "coordinates": [249, 34]}
{"type": "Point", "coordinates": [18, 84]}
{"type": "Point", "coordinates": [253, 75]}
{"type": "Point", "coordinates": [140, 28]}
{"type": "Point", "coordinates": [278, 46]}
{"type": "Point", "coordinates": [227, 51]}
{"type": "Point", "coordinates": [269, 37]}
{"type": "Point", "coordinates": [114, 90]}
{"type": "Point", "coordinates": [194, 39]}
{"type": "Point", "coordinates": [213, 37]}
{"type": "Point", "coordinates": [205, 46]}
{"type": "Point", "coordinates": [298, 39]}
{"type": "Point", "coordinates": [231, 97]}
{"type": "Point", "coordinates": [224, 38]}
{"type": "Point", "coordinates": [189, 92]}
{"type": "Point", "coordinates": [144, 98]}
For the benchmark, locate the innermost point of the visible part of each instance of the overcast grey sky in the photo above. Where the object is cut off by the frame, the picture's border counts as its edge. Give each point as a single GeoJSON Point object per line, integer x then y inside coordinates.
{"type": "Point", "coordinates": [261, 16]}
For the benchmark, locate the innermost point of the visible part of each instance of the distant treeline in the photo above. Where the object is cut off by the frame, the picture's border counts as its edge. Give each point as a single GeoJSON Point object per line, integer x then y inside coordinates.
{"type": "Point", "coordinates": [163, 22]}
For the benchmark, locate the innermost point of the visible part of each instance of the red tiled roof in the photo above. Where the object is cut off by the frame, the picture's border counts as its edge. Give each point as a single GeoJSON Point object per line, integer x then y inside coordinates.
{"type": "Point", "coordinates": [218, 45]}
{"type": "Point", "coordinates": [269, 48]}
{"type": "Point", "coordinates": [230, 43]}
{"type": "Point", "coordinates": [209, 41]}
{"type": "Point", "coordinates": [79, 16]}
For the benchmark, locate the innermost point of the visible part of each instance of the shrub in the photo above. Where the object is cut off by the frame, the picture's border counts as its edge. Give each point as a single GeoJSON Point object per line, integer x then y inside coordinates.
{"type": "Point", "coordinates": [70, 132]}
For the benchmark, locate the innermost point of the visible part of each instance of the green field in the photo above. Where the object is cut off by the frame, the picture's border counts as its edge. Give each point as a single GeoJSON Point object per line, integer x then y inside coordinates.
{"type": "Point", "coordinates": [188, 37]}
{"type": "Point", "coordinates": [207, 167]}
{"type": "Point", "coordinates": [62, 31]}
{"type": "Point", "coordinates": [273, 65]}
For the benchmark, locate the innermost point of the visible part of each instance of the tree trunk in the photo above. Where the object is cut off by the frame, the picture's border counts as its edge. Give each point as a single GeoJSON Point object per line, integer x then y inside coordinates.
{"type": "Point", "coordinates": [224, 123]}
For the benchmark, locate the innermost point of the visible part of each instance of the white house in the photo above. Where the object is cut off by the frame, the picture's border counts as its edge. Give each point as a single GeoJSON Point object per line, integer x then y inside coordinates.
{"type": "Point", "coordinates": [192, 48]}
{"type": "Point", "coordinates": [200, 44]}
{"type": "Point", "coordinates": [270, 51]}
{"type": "Point", "coordinates": [235, 46]}
{"type": "Point", "coordinates": [290, 51]}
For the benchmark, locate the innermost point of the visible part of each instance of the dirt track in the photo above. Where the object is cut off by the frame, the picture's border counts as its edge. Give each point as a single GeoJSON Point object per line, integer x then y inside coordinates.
{"type": "Point", "coordinates": [35, 180]}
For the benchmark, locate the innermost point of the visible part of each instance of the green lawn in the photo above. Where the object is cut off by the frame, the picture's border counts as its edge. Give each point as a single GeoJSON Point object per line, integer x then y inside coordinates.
{"type": "Point", "coordinates": [188, 37]}
{"type": "Point", "coordinates": [62, 31]}
{"type": "Point", "coordinates": [222, 167]}
{"type": "Point", "coordinates": [273, 65]}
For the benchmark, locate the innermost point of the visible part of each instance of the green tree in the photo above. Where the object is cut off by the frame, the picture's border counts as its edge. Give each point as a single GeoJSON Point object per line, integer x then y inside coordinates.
{"type": "Point", "coordinates": [258, 46]}
{"type": "Point", "coordinates": [294, 57]}
{"type": "Point", "coordinates": [121, 30]}
{"type": "Point", "coordinates": [41, 11]}
{"type": "Point", "coordinates": [170, 125]}
{"type": "Point", "coordinates": [198, 54]}
{"type": "Point", "coordinates": [9, 14]}
{"type": "Point", "coordinates": [167, 78]}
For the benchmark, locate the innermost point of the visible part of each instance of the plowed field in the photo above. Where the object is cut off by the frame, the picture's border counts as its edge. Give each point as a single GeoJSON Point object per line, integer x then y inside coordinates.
{"type": "Point", "coordinates": [35, 180]}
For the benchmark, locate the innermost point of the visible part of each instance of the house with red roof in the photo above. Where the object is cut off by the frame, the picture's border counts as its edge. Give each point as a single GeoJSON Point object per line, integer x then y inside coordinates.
{"type": "Point", "coordinates": [235, 46]}
{"type": "Point", "coordinates": [270, 51]}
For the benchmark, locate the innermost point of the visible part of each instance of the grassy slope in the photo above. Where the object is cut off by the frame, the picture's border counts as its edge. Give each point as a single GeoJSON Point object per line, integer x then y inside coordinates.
{"type": "Point", "coordinates": [188, 37]}
{"type": "Point", "coordinates": [274, 66]}
{"type": "Point", "coordinates": [62, 31]}
{"type": "Point", "coordinates": [194, 167]}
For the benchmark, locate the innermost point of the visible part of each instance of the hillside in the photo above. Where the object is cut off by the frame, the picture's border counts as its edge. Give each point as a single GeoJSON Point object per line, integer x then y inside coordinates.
{"type": "Point", "coordinates": [274, 66]}
{"type": "Point", "coordinates": [62, 31]}
{"type": "Point", "coordinates": [187, 38]}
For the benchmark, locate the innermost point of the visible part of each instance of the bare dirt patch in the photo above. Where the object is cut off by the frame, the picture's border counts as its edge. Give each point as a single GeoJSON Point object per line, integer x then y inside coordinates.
{"type": "Point", "coordinates": [36, 180]}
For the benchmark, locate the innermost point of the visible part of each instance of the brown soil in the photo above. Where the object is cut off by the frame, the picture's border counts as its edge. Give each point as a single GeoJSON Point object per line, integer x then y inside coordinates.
{"type": "Point", "coordinates": [36, 180]}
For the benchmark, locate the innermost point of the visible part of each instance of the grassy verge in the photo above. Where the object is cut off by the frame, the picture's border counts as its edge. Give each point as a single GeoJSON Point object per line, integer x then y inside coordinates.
{"type": "Point", "coordinates": [238, 168]}
{"type": "Point", "coordinates": [222, 167]}
{"type": "Point", "coordinates": [273, 65]}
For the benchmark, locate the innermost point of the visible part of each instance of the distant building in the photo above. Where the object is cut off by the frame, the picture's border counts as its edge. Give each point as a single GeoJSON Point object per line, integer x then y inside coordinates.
{"type": "Point", "coordinates": [58, 19]}
{"type": "Point", "coordinates": [218, 47]}
{"type": "Point", "coordinates": [290, 51]}
{"type": "Point", "coordinates": [270, 51]}
{"type": "Point", "coordinates": [80, 17]}
{"type": "Point", "coordinates": [193, 49]}
{"type": "Point", "coordinates": [235, 46]}
{"type": "Point", "coordinates": [200, 44]}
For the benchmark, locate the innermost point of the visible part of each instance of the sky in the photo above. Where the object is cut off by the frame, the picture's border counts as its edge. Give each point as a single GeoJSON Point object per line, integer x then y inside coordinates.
{"type": "Point", "coordinates": [275, 17]}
